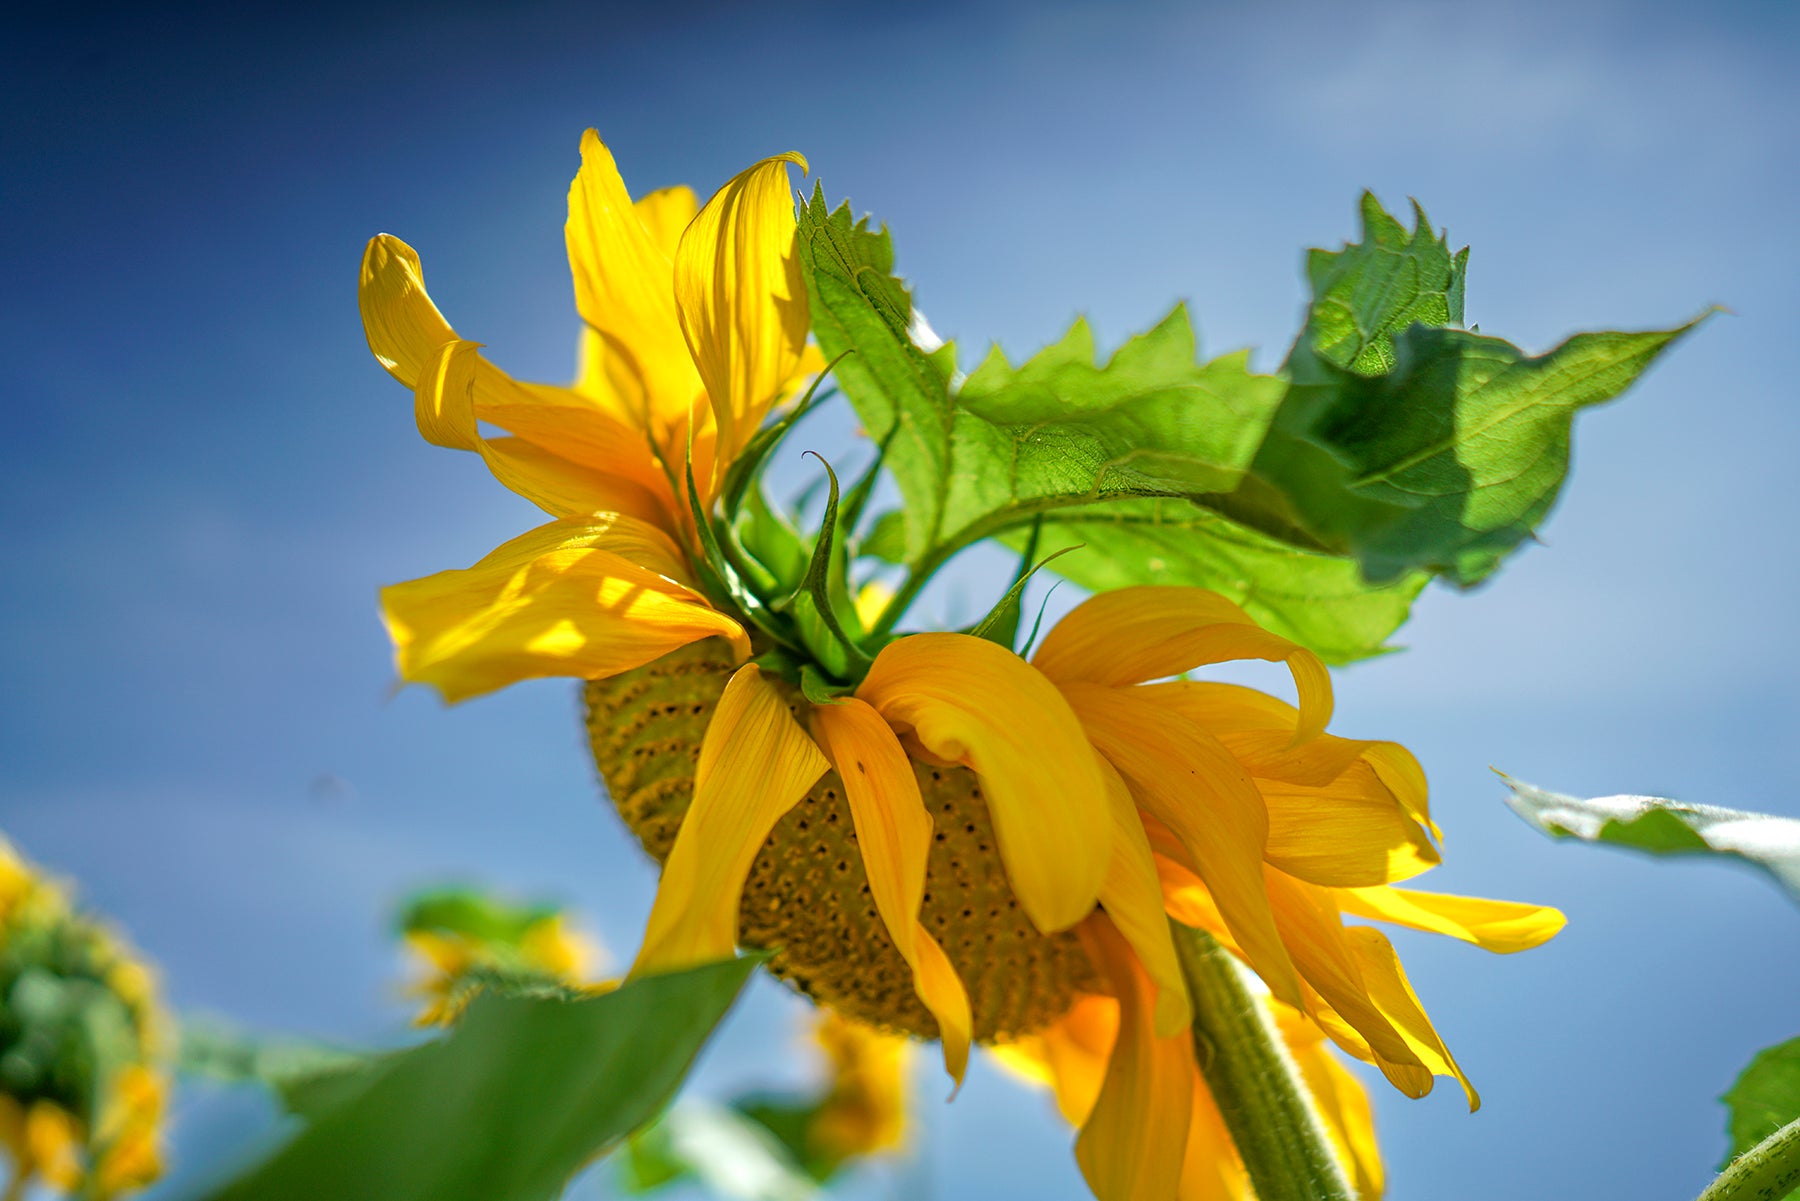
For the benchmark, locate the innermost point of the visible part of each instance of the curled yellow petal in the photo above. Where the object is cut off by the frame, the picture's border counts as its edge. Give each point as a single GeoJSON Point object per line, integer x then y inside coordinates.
{"type": "Point", "coordinates": [1393, 994]}
{"type": "Point", "coordinates": [1499, 926]}
{"type": "Point", "coordinates": [583, 598]}
{"type": "Point", "coordinates": [755, 764]}
{"type": "Point", "coordinates": [1352, 831]}
{"type": "Point", "coordinates": [1262, 731]}
{"type": "Point", "coordinates": [1132, 898]}
{"type": "Point", "coordinates": [444, 405]}
{"type": "Point", "coordinates": [1132, 1145]}
{"type": "Point", "coordinates": [1149, 632]}
{"type": "Point", "coordinates": [894, 831]}
{"type": "Point", "coordinates": [1185, 779]}
{"type": "Point", "coordinates": [741, 298]}
{"type": "Point", "coordinates": [974, 703]}
{"type": "Point", "coordinates": [621, 257]}
{"type": "Point", "coordinates": [1329, 963]}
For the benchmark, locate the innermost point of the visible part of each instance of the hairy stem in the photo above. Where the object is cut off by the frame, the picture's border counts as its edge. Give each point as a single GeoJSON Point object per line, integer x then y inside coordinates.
{"type": "Point", "coordinates": [1766, 1172]}
{"type": "Point", "coordinates": [1254, 1080]}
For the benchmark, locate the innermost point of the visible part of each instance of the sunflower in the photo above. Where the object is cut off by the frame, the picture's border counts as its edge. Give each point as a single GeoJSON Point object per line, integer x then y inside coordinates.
{"type": "Point", "coordinates": [82, 1095]}
{"type": "Point", "coordinates": [949, 841]}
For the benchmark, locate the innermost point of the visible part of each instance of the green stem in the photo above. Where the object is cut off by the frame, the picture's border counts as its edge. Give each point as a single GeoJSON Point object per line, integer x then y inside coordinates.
{"type": "Point", "coordinates": [1766, 1172]}
{"type": "Point", "coordinates": [1254, 1080]}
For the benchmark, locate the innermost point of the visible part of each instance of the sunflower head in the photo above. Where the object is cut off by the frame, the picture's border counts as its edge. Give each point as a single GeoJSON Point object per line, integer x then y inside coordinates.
{"type": "Point", "coordinates": [82, 1041]}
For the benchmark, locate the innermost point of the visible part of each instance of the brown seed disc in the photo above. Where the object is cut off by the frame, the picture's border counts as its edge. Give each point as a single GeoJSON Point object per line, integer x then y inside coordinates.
{"type": "Point", "coordinates": [807, 892]}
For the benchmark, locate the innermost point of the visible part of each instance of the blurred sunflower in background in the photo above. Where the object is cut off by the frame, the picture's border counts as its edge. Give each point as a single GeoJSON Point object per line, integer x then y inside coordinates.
{"type": "Point", "coordinates": [943, 838]}
{"type": "Point", "coordinates": [82, 1045]}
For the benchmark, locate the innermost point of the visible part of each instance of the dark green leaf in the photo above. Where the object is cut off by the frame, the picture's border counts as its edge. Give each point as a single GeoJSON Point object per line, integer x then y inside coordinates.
{"type": "Point", "coordinates": [1764, 1098]}
{"type": "Point", "coordinates": [1319, 601]}
{"type": "Point", "coordinates": [900, 392]}
{"type": "Point", "coordinates": [508, 1105]}
{"type": "Point", "coordinates": [1444, 464]}
{"type": "Point", "coordinates": [1664, 827]}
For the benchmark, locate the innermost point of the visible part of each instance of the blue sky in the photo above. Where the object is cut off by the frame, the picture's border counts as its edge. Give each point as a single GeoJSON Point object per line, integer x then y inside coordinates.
{"type": "Point", "coordinates": [207, 476]}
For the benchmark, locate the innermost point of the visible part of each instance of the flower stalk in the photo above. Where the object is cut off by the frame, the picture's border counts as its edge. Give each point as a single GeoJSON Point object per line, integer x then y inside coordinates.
{"type": "Point", "coordinates": [1254, 1080]}
{"type": "Point", "coordinates": [1769, 1169]}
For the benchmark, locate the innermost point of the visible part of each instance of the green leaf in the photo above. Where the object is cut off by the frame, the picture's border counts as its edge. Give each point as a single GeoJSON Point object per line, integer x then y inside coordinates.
{"type": "Point", "coordinates": [1062, 430]}
{"type": "Point", "coordinates": [771, 540]}
{"type": "Point", "coordinates": [886, 539]}
{"type": "Point", "coordinates": [1764, 1098]}
{"type": "Point", "coordinates": [1412, 447]}
{"type": "Point", "coordinates": [508, 1105]}
{"type": "Point", "coordinates": [732, 1154]}
{"type": "Point", "coordinates": [1320, 601]}
{"type": "Point", "coordinates": [1447, 462]}
{"type": "Point", "coordinates": [901, 393]}
{"type": "Point", "coordinates": [1664, 827]}
{"type": "Point", "coordinates": [1366, 292]}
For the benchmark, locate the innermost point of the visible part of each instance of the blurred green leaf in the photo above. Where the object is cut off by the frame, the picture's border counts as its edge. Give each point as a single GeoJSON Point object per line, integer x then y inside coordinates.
{"type": "Point", "coordinates": [886, 539]}
{"type": "Point", "coordinates": [1664, 827]}
{"type": "Point", "coordinates": [509, 1104]}
{"type": "Point", "coordinates": [1320, 601]}
{"type": "Point", "coordinates": [1764, 1098]}
{"type": "Point", "coordinates": [900, 392]}
{"type": "Point", "coordinates": [731, 1154]}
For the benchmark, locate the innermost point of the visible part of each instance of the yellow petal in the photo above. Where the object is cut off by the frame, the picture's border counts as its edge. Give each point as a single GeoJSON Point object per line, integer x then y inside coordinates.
{"type": "Point", "coordinates": [403, 327]}
{"type": "Point", "coordinates": [755, 764]}
{"type": "Point", "coordinates": [1499, 926]}
{"type": "Point", "coordinates": [1131, 635]}
{"type": "Point", "coordinates": [1343, 1104]}
{"type": "Point", "coordinates": [864, 1110]}
{"type": "Point", "coordinates": [1132, 1145]}
{"type": "Point", "coordinates": [741, 297]}
{"type": "Point", "coordinates": [1132, 898]}
{"type": "Point", "coordinates": [444, 405]}
{"type": "Point", "coordinates": [1352, 831]}
{"type": "Point", "coordinates": [972, 702]}
{"type": "Point", "coordinates": [1211, 1169]}
{"type": "Point", "coordinates": [894, 832]}
{"type": "Point", "coordinates": [625, 289]}
{"type": "Point", "coordinates": [1261, 732]}
{"type": "Point", "coordinates": [666, 214]}
{"type": "Point", "coordinates": [1393, 994]}
{"type": "Point", "coordinates": [571, 598]}
{"type": "Point", "coordinates": [1069, 1055]}
{"type": "Point", "coordinates": [1186, 780]}
{"type": "Point", "coordinates": [1327, 959]}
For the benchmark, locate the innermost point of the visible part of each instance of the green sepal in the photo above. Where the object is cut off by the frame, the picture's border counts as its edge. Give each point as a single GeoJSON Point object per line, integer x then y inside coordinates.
{"type": "Point", "coordinates": [749, 463]}
{"type": "Point", "coordinates": [771, 540]}
{"type": "Point", "coordinates": [819, 690]}
{"type": "Point", "coordinates": [718, 573]}
{"type": "Point", "coordinates": [1001, 625]}
{"type": "Point", "coordinates": [811, 604]}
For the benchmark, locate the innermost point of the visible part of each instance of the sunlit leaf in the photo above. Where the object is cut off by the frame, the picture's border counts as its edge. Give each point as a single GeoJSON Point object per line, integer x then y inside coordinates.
{"type": "Point", "coordinates": [1664, 827]}
{"type": "Point", "coordinates": [733, 1155]}
{"type": "Point", "coordinates": [509, 1104]}
{"type": "Point", "coordinates": [1320, 601]}
{"type": "Point", "coordinates": [900, 392]}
